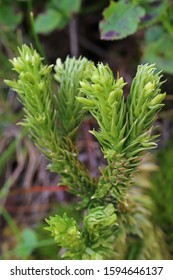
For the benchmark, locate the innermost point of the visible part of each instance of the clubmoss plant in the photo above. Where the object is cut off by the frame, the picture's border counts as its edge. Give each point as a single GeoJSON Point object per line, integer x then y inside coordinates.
{"type": "Point", "coordinates": [126, 130]}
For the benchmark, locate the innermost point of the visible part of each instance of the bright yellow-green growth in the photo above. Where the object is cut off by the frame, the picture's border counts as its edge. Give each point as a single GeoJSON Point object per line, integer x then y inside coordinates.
{"type": "Point", "coordinates": [125, 130]}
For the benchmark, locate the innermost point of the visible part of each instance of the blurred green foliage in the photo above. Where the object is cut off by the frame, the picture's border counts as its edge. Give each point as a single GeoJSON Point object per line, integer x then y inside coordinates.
{"type": "Point", "coordinates": [57, 14]}
{"type": "Point", "coordinates": [162, 193]}
{"type": "Point", "coordinates": [156, 50]}
{"type": "Point", "coordinates": [12, 18]}
{"type": "Point", "coordinates": [124, 18]}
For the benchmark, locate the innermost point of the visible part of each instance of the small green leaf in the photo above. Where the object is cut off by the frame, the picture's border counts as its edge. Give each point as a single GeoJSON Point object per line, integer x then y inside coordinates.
{"type": "Point", "coordinates": [48, 21]}
{"type": "Point", "coordinates": [8, 18]}
{"type": "Point", "coordinates": [120, 20]}
{"type": "Point", "coordinates": [57, 15]}
{"type": "Point", "coordinates": [85, 101]}
{"type": "Point", "coordinates": [157, 99]}
{"type": "Point", "coordinates": [27, 244]}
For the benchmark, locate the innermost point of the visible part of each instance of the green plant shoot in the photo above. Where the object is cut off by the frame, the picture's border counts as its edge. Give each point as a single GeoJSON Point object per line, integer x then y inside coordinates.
{"type": "Point", "coordinates": [125, 131]}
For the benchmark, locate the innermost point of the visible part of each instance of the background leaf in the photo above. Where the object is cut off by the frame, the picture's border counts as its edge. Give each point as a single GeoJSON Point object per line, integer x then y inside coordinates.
{"type": "Point", "coordinates": [120, 20]}
{"type": "Point", "coordinates": [157, 51]}
{"type": "Point", "coordinates": [48, 21]}
{"type": "Point", "coordinates": [57, 15]}
{"type": "Point", "coordinates": [8, 18]}
{"type": "Point", "coordinates": [28, 243]}
{"type": "Point", "coordinates": [67, 7]}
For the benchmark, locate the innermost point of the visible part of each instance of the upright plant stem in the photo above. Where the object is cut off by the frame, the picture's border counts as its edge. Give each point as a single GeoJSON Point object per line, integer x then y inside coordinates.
{"type": "Point", "coordinates": [34, 33]}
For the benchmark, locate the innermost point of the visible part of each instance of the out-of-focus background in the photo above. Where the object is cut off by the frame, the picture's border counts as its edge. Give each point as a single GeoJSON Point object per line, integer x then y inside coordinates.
{"type": "Point", "coordinates": [122, 34]}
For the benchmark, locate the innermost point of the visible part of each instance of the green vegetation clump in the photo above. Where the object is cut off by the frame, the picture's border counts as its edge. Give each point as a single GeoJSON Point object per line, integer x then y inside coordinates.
{"type": "Point", "coordinates": [111, 217]}
{"type": "Point", "coordinates": [162, 194]}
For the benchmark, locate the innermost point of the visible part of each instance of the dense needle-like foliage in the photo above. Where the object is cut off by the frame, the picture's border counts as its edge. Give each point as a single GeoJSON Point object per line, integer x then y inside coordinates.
{"type": "Point", "coordinates": [125, 130]}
